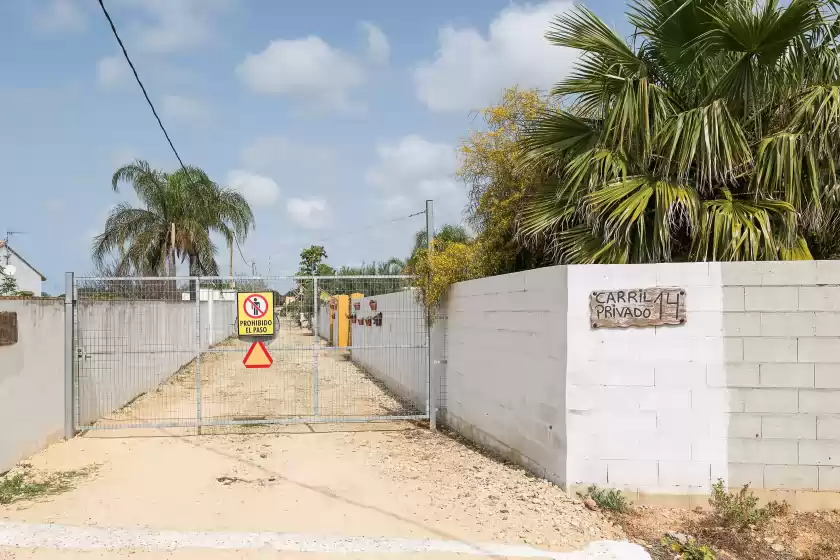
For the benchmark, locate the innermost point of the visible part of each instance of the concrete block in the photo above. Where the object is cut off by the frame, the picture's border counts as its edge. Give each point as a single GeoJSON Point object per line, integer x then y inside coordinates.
{"type": "Point", "coordinates": [770, 349]}
{"type": "Point", "coordinates": [742, 426]}
{"type": "Point", "coordinates": [827, 324]}
{"type": "Point", "coordinates": [664, 399]}
{"type": "Point", "coordinates": [688, 424]}
{"type": "Point", "coordinates": [770, 400]}
{"type": "Point", "coordinates": [588, 423]}
{"type": "Point", "coordinates": [612, 373]}
{"type": "Point", "coordinates": [733, 298]}
{"type": "Point", "coordinates": [685, 275]}
{"type": "Point", "coordinates": [819, 401]}
{"type": "Point", "coordinates": [739, 474]}
{"type": "Point", "coordinates": [819, 452]}
{"type": "Point", "coordinates": [742, 324]}
{"type": "Point", "coordinates": [827, 376]}
{"type": "Point", "coordinates": [767, 451]}
{"type": "Point", "coordinates": [680, 374]}
{"type": "Point", "coordinates": [743, 273]}
{"type": "Point", "coordinates": [684, 473]}
{"type": "Point", "coordinates": [808, 500]}
{"type": "Point", "coordinates": [705, 299]}
{"type": "Point", "coordinates": [789, 426]}
{"type": "Point", "coordinates": [791, 477]}
{"type": "Point", "coordinates": [718, 401]}
{"type": "Point", "coordinates": [733, 349]}
{"type": "Point", "coordinates": [789, 273]}
{"type": "Point", "coordinates": [787, 375]}
{"type": "Point", "coordinates": [700, 324]}
{"type": "Point", "coordinates": [800, 323]}
{"type": "Point", "coordinates": [613, 276]}
{"type": "Point", "coordinates": [732, 375]}
{"type": "Point", "coordinates": [819, 350]}
{"type": "Point", "coordinates": [777, 298]}
{"type": "Point", "coordinates": [632, 473]}
{"type": "Point", "coordinates": [712, 450]}
{"type": "Point", "coordinates": [819, 298]}
{"type": "Point", "coordinates": [829, 478]}
{"type": "Point", "coordinates": [828, 272]}
{"type": "Point", "coordinates": [828, 427]}
{"type": "Point", "coordinates": [587, 471]}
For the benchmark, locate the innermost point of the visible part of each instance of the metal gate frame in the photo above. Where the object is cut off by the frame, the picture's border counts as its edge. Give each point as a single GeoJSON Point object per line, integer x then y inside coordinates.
{"type": "Point", "coordinates": [75, 356]}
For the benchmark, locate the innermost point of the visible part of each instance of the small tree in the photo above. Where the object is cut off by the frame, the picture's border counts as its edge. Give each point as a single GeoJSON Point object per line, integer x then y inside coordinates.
{"type": "Point", "coordinates": [8, 285]}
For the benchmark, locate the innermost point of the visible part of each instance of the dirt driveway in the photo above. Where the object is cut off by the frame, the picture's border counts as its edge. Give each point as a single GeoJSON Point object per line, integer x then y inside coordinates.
{"type": "Point", "coordinates": [361, 490]}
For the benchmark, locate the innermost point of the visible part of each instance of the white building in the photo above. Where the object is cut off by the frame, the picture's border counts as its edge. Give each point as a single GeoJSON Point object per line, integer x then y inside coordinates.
{"type": "Point", "coordinates": [28, 279]}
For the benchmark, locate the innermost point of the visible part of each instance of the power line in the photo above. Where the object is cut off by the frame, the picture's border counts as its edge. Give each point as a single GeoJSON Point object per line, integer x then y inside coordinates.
{"type": "Point", "coordinates": [152, 106]}
{"type": "Point", "coordinates": [240, 252]}
{"type": "Point", "coordinates": [371, 226]}
{"type": "Point", "coordinates": [142, 87]}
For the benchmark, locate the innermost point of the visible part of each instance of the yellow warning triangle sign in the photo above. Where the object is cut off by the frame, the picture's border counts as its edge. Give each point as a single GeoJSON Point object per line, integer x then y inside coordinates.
{"type": "Point", "coordinates": [257, 356]}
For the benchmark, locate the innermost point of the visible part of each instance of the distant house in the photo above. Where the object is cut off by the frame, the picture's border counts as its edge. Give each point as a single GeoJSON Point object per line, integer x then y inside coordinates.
{"type": "Point", "coordinates": [28, 279]}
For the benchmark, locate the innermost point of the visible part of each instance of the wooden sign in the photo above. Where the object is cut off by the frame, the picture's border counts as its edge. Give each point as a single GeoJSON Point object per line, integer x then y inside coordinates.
{"type": "Point", "coordinates": [645, 307]}
{"type": "Point", "coordinates": [8, 328]}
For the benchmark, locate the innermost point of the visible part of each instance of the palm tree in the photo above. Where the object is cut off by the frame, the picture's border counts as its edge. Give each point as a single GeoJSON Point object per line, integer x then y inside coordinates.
{"type": "Point", "coordinates": [181, 210]}
{"type": "Point", "coordinates": [713, 135]}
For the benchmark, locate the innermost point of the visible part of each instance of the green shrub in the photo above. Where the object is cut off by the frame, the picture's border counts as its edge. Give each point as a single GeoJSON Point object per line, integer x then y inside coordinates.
{"type": "Point", "coordinates": [607, 499]}
{"type": "Point", "coordinates": [688, 550]}
{"type": "Point", "coordinates": [740, 509]}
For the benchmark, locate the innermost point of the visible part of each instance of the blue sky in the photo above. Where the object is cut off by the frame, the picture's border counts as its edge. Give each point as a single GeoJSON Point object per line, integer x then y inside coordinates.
{"type": "Point", "coordinates": [329, 115]}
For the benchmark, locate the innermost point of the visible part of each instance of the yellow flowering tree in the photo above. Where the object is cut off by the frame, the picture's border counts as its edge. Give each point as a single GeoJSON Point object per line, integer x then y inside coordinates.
{"type": "Point", "coordinates": [498, 184]}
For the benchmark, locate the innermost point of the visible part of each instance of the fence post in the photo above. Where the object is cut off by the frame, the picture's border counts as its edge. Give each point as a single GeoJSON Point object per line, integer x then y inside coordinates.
{"type": "Point", "coordinates": [198, 354]}
{"type": "Point", "coordinates": [69, 358]}
{"type": "Point", "coordinates": [315, 337]}
{"type": "Point", "coordinates": [431, 394]}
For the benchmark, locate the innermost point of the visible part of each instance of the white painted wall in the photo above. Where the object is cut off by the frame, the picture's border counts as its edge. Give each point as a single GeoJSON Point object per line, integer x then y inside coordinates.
{"type": "Point", "coordinates": [32, 380]}
{"type": "Point", "coordinates": [396, 352]}
{"type": "Point", "coordinates": [324, 321]}
{"type": "Point", "coordinates": [647, 407]}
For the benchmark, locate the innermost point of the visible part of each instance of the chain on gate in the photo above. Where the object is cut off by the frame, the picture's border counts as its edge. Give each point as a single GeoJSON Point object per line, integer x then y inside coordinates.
{"type": "Point", "coordinates": [166, 352]}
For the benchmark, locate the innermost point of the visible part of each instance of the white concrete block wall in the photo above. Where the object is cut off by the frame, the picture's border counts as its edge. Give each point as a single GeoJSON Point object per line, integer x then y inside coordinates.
{"type": "Point", "coordinates": [648, 407]}
{"type": "Point", "coordinates": [797, 393]}
{"type": "Point", "coordinates": [396, 352]}
{"type": "Point", "coordinates": [748, 390]}
{"type": "Point", "coordinates": [505, 373]}
{"type": "Point", "coordinates": [32, 380]}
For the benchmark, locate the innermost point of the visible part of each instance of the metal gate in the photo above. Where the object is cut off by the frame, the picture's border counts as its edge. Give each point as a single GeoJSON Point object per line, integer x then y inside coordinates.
{"type": "Point", "coordinates": [163, 352]}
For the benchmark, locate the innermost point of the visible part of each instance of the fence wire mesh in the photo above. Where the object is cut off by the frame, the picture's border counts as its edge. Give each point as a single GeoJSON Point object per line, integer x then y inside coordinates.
{"type": "Point", "coordinates": [164, 352]}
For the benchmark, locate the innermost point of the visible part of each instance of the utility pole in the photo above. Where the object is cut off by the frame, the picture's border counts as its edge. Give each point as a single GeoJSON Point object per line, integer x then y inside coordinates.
{"type": "Point", "coordinates": [230, 262]}
{"type": "Point", "coordinates": [172, 248]}
{"type": "Point", "coordinates": [431, 395]}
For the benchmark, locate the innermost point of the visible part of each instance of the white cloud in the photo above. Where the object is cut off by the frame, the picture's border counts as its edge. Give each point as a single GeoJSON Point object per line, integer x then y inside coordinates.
{"type": "Point", "coordinates": [259, 190]}
{"type": "Point", "coordinates": [413, 169]}
{"type": "Point", "coordinates": [308, 69]}
{"type": "Point", "coordinates": [311, 213]}
{"type": "Point", "coordinates": [470, 70]}
{"type": "Point", "coordinates": [187, 109]}
{"type": "Point", "coordinates": [379, 50]}
{"type": "Point", "coordinates": [61, 15]}
{"type": "Point", "coordinates": [165, 26]}
{"type": "Point", "coordinates": [112, 72]}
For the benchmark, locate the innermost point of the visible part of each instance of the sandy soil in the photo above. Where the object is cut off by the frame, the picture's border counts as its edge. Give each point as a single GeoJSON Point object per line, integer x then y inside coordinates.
{"type": "Point", "coordinates": [382, 481]}
{"type": "Point", "coordinates": [284, 391]}
{"type": "Point", "coordinates": [367, 479]}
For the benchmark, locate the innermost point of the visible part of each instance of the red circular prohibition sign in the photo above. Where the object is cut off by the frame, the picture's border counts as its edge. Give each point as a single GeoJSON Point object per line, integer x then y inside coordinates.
{"type": "Point", "coordinates": [255, 306]}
